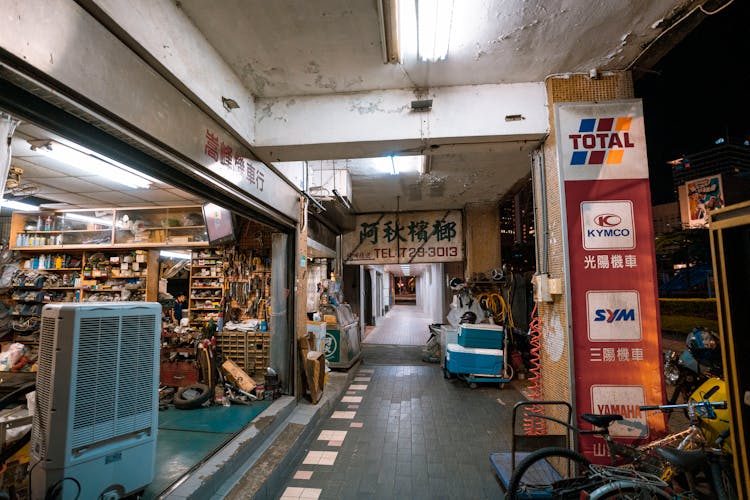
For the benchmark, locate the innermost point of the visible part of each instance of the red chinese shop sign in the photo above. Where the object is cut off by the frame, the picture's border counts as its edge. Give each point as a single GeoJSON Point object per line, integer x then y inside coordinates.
{"type": "Point", "coordinates": [611, 268]}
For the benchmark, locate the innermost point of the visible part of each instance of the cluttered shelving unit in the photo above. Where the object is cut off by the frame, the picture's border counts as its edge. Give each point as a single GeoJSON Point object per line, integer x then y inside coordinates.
{"type": "Point", "coordinates": [206, 293]}
{"type": "Point", "coordinates": [109, 228]}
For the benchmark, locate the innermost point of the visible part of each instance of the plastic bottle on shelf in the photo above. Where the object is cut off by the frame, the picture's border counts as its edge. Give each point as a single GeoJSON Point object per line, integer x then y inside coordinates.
{"type": "Point", "coordinates": [48, 223]}
{"type": "Point", "coordinates": [39, 223]}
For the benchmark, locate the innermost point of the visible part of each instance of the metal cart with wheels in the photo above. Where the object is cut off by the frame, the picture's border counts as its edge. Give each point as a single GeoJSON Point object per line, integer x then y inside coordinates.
{"type": "Point", "coordinates": [521, 444]}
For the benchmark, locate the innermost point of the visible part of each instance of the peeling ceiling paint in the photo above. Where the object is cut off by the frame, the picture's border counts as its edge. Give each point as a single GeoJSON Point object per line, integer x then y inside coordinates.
{"type": "Point", "coordinates": [289, 48]}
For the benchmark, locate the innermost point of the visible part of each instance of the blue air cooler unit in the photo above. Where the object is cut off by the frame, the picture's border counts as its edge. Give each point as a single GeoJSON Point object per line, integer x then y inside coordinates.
{"type": "Point", "coordinates": [94, 428]}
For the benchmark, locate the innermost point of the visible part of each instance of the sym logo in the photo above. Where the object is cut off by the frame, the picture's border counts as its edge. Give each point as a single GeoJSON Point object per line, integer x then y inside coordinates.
{"type": "Point", "coordinates": [608, 225]}
{"type": "Point", "coordinates": [607, 220]}
{"type": "Point", "coordinates": [610, 315]}
{"type": "Point", "coordinates": [613, 315]}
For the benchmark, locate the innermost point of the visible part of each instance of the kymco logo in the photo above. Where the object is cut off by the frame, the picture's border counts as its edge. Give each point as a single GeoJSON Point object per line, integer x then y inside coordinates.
{"type": "Point", "coordinates": [601, 141]}
{"type": "Point", "coordinates": [607, 225]}
{"type": "Point", "coordinates": [607, 220]}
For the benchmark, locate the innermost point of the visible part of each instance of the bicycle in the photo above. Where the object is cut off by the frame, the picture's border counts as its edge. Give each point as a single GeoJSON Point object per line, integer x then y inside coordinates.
{"type": "Point", "coordinates": [570, 474]}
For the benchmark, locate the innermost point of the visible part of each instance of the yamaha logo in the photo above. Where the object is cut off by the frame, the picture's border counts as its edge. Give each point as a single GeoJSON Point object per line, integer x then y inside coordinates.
{"type": "Point", "coordinates": [607, 220]}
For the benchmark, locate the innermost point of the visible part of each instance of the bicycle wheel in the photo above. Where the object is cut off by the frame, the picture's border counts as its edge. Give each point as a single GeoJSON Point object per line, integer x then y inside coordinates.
{"type": "Point", "coordinates": [536, 475]}
{"type": "Point", "coordinates": [722, 480]}
{"type": "Point", "coordinates": [629, 490]}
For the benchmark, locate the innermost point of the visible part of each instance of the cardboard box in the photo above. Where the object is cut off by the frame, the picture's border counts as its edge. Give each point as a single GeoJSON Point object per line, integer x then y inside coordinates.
{"type": "Point", "coordinates": [237, 376]}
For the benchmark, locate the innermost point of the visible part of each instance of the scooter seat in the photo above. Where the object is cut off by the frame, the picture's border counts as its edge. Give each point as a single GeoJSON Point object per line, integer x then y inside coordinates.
{"type": "Point", "coordinates": [601, 420]}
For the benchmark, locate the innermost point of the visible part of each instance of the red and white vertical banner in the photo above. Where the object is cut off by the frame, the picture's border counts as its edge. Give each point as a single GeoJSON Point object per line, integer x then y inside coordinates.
{"type": "Point", "coordinates": [611, 268]}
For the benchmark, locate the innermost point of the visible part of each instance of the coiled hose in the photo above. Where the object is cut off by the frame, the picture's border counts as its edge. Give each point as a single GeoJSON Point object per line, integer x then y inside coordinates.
{"type": "Point", "coordinates": [533, 426]}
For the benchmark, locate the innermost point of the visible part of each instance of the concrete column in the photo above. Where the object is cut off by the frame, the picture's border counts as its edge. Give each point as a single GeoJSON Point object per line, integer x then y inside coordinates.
{"type": "Point", "coordinates": [281, 342]}
{"type": "Point", "coordinates": [482, 224]}
{"type": "Point", "coordinates": [557, 377]}
{"type": "Point", "coordinates": [300, 288]}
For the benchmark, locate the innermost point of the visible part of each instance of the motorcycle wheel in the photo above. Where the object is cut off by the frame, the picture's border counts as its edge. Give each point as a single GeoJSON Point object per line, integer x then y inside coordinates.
{"type": "Point", "coordinates": [192, 396]}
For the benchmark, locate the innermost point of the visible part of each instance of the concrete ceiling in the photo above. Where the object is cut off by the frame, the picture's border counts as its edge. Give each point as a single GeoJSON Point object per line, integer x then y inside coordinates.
{"type": "Point", "coordinates": [292, 47]}
{"type": "Point", "coordinates": [302, 48]}
{"type": "Point", "coordinates": [333, 47]}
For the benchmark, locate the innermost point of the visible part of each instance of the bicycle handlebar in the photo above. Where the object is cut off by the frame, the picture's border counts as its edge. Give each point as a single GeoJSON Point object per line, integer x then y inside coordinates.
{"type": "Point", "coordinates": [721, 405]}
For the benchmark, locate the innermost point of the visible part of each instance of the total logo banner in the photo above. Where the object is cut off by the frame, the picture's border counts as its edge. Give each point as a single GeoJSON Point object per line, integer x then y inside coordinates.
{"type": "Point", "coordinates": [601, 140]}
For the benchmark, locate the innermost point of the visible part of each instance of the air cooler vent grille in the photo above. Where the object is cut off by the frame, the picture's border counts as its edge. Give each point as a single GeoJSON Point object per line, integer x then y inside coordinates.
{"type": "Point", "coordinates": [136, 374]}
{"type": "Point", "coordinates": [114, 378]}
{"type": "Point", "coordinates": [44, 385]}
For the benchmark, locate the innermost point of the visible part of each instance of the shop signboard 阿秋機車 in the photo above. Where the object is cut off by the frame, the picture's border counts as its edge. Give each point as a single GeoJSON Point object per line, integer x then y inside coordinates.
{"type": "Point", "coordinates": [405, 238]}
{"type": "Point", "coordinates": [613, 308]}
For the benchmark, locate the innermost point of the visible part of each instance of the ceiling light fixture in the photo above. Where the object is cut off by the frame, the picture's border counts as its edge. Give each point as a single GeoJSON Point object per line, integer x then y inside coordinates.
{"type": "Point", "coordinates": [17, 205]}
{"type": "Point", "coordinates": [174, 255]}
{"type": "Point", "coordinates": [90, 163]}
{"type": "Point", "coordinates": [406, 270]}
{"type": "Point", "coordinates": [388, 14]}
{"type": "Point", "coordinates": [433, 29]}
{"type": "Point", "coordinates": [88, 219]}
{"type": "Point", "coordinates": [342, 200]}
{"type": "Point", "coordinates": [396, 165]}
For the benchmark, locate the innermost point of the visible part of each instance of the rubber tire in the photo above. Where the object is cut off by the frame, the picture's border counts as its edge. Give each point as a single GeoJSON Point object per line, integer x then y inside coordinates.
{"type": "Point", "coordinates": [722, 481]}
{"type": "Point", "coordinates": [617, 488]}
{"type": "Point", "coordinates": [189, 404]}
{"type": "Point", "coordinates": [542, 454]}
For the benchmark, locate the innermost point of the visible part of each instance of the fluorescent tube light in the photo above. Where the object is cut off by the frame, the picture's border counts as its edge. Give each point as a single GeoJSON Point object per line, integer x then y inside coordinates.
{"type": "Point", "coordinates": [406, 270]}
{"type": "Point", "coordinates": [174, 255]}
{"type": "Point", "coordinates": [395, 165]}
{"type": "Point", "coordinates": [90, 163]}
{"type": "Point", "coordinates": [17, 205]}
{"type": "Point", "coordinates": [89, 220]}
{"type": "Point", "coordinates": [388, 13]}
{"type": "Point", "coordinates": [433, 29]}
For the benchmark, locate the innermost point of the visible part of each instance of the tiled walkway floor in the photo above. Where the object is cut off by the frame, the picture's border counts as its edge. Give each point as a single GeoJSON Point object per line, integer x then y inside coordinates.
{"type": "Point", "coordinates": [403, 325]}
{"type": "Point", "coordinates": [406, 433]}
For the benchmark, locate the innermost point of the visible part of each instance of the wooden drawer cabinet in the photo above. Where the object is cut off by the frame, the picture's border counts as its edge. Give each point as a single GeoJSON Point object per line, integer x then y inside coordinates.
{"type": "Point", "coordinates": [178, 373]}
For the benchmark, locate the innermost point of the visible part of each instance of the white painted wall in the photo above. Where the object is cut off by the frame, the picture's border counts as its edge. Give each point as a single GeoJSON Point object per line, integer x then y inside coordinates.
{"type": "Point", "coordinates": [169, 36]}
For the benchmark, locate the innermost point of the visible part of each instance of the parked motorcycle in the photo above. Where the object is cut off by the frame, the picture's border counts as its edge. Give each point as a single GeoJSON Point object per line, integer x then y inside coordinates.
{"type": "Point", "coordinates": [700, 361]}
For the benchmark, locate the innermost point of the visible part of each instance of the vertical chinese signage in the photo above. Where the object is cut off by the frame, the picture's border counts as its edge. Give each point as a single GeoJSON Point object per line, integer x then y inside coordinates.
{"type": "Point", "coordinates": [406, 237]}
{"type": "Point", "coordinates": [613, 299]}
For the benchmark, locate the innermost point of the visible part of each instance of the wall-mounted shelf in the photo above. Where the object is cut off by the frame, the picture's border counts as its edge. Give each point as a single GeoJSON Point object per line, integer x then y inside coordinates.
{"type": "Point", "coordinates": [109, 228]}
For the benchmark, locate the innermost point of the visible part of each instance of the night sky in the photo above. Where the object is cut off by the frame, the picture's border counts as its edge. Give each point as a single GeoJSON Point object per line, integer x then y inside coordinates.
{"type": "Point", "coordinates": [700, 92]}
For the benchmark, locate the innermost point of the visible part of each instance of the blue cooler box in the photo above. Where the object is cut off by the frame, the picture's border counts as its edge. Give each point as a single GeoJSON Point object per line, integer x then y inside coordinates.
{"type": "Point", "coordinates": [460, 359]}
{"type": "Point", "coordinates": [483, 336]}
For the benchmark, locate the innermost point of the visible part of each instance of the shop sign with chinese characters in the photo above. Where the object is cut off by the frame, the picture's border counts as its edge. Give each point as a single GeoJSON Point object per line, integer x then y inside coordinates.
{"type": "Point", "coordinates": [611, 267]}
{"type": "Point", "coordinates": [226, 158]}
{"type": "Point", "coordinates": [404, 238]}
